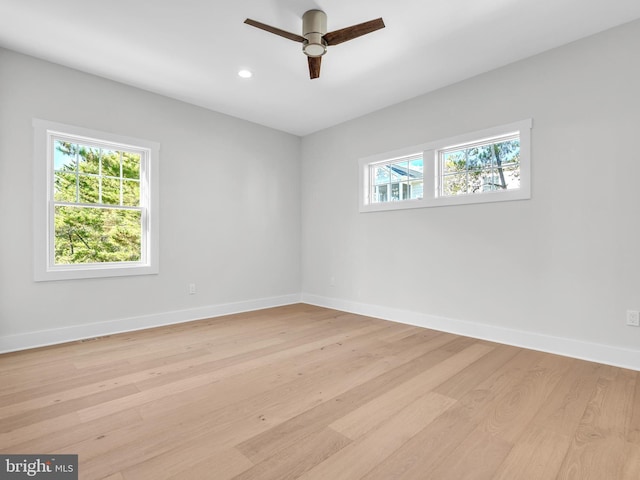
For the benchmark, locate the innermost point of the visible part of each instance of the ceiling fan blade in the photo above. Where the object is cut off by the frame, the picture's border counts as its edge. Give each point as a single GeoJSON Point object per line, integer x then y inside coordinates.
{"type": "Point", "coordinates": [314, 67]}
{"type": "Point", "coordinates": [274, 30]}
{"type": "Point", "coordinates": [355, 31]}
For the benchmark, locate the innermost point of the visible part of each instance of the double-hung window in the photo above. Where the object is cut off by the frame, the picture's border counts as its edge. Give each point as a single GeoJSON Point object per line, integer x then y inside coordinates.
{"type": "Point", "coordinates": [490, 165]}
{"type": "Point", "coordinates": [95, 203]}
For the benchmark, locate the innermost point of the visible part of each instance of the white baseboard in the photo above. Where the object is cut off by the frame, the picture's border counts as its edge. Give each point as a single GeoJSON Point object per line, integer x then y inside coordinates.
{"type": "Point", "coordinates": [43, 338]}
{"type": "Point", "coordinates": [594, 352]}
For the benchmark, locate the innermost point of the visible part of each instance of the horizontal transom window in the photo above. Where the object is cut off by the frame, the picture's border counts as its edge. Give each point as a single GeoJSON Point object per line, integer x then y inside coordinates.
{"type": "Point", "coordinates": [488, 165]}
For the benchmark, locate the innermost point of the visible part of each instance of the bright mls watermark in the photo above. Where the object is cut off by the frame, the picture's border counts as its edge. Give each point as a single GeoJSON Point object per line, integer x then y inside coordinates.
{"type": "Point", "coordinates": [50, 467]}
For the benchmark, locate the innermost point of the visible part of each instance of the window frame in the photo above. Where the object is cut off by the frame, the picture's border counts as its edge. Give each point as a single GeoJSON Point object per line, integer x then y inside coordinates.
{"type": "Point", "coordinates": [431, 160]}
{"type": "Point", "coordinates": [45, 269]}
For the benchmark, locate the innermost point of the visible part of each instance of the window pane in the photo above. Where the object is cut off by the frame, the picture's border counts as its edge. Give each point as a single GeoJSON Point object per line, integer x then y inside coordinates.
{"type": "Point", "coordinates": [454, 162]}
{"type": "Point", "coordinates": [96, 235]}
{"type": "Point", "coordinates": [131, 165]}
{"type": "Point", "coordinates": [491, 180]}
{"type": "Point", "coordinates": [380, 194]}
{"type": "Point", "coordinates": [404, 191]}
{"type": "Point", "coordinates": [395, 192]}
{"type": "Point", "coordinates": [508, 152]}
{"type": "Point", "coordinates": [417, 190]}
{"type": "Point", "coordinates": [64, 187]}
{"type": "Point", "coordinates": [111, 191]}
{"type": "Point", "coordinates": [480, 157]}
{"type": "Point", "coordinates": [512, 177]}
{"type": "Point", "coordinates": [474, 179]}
{"type": "Point", "coordinates": [399, 171]}
{"type": "Point", "coordinates": [131, 193]}
{"type": "Point", "coordinates": [64, 156]}
{"type": "Point", "coordinates": [380, 175]}
{"type": "Point", "coordinates": [416, 168]}
{"type": "Point", "coordinates": [110, 163]}
{"type": "Point", "coordinates": [89, 160]}
{"type": "Point", "coordinates": [454, 184]}
{"type": "Point", "coordinates": [89, 189]}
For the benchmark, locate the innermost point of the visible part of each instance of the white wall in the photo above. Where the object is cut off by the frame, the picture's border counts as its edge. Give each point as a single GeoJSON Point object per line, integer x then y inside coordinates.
{"type": "Point", "coordinates": [556, 272]}
{"type": "Point", "coordinates": [229, 209]}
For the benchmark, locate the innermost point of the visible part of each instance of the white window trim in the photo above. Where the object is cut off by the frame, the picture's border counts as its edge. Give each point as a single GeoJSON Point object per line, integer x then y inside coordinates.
{"type": "Point", "coordinates": [430, 151]}
{"type": "Point", "coordinates": [43, 217]}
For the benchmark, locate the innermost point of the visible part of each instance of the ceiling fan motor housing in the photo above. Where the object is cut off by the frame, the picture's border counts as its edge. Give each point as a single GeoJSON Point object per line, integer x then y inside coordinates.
{"type": "Point", "coordinates": [314, 26]}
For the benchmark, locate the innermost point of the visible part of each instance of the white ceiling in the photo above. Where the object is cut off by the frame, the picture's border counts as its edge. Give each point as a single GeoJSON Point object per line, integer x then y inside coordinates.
{"type": "Point", "coordinates": [192, 49]}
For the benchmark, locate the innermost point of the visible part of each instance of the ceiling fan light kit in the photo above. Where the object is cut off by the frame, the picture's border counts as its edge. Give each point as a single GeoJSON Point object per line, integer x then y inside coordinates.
{"type": "Point", "coordinates": [315, 38]}
{"type": "Point", "coordinates": [314, 27]}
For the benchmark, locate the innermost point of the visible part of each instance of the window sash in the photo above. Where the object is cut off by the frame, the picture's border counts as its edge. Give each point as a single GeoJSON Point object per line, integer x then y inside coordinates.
{"type": "Point", "coordinates": [404, 194]}
{"type": "Point", "coordinates": [143, 154]}
{"type": "Point", "coordinates": [442, 175]}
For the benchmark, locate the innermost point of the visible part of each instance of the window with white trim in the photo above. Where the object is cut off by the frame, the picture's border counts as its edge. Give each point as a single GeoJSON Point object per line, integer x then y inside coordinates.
{"type": "Point", "coordinates": [488, 165]}
{"type": "Point", "coordinates": [95, 203]}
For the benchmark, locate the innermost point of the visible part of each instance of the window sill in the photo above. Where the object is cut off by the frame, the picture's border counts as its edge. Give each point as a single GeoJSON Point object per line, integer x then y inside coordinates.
{"type": "Point", "coordinates": [73, 272]}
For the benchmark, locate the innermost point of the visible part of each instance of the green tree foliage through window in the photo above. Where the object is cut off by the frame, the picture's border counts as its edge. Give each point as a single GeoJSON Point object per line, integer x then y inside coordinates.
{"type": "Point", "coordinates": [481, 168]}
{"type": "Point", "coordinates": [97, 194]}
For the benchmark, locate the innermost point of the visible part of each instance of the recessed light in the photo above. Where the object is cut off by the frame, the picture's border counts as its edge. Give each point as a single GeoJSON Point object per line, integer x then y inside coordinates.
{"type": "Point", "coordinates": [245, 74]}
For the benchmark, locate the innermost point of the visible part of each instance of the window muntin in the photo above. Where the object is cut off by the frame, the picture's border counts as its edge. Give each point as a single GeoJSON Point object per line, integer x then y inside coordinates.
{"type": "Point", "coordinates": [489, 165]}
{"type": "Point", "coordinates": [95, 198]}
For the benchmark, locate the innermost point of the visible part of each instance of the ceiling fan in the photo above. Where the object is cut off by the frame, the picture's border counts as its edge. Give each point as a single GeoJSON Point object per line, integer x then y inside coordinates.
{"type": "Point", "coordinates": [315, 38]}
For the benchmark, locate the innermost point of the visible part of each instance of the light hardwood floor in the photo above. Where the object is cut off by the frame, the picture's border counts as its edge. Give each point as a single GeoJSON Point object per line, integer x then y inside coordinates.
{"type": "Point", "coordinates": [311, 393]}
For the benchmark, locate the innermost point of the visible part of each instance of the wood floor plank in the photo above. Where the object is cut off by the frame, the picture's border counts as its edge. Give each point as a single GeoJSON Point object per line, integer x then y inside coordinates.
{"type": "Point", "coordinates": [59, 438]}
{"type": "Point", "coordinates": [363, 419]}
{"type": "Point", "coordinates": [181, 459]}
{"type": "Point", "coordinates": [292, 463]}
{"type": "Point", "coordinates": [223, 465]}
{"type": "Point", "coordinates": [115, 476]}
{"type": "Point", "coordinates": [512, 413]}
{"type": "Point", "coordinates": [307, 392]}
{"type": "Point", "coordinates": [631, 469]}
{"type": "Point", "coordinates": [460, 383]}
{"type": "Point", "coordinates": [18, 394]}
{"type": "Point", "coordinates": [34, 415]}
{"type": "Point", "coordinates": [563, 409]}
{"type": "Point", "coordinates": [477, 457]}
{"type": "Point", "coordinates": [25, 432]}
{"type": "Point", "coordinates": [598, 447]}
{"type": "Point", "coordinates": [356, 459]}
{"type": "Point", "coordinates": [633, 433]}
{"type": "Point", "coordinates": [537, 455]}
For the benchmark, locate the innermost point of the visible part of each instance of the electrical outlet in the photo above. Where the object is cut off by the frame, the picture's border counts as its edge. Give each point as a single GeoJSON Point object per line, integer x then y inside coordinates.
{"type": "Point", "coordinates": [633, 318]}
{"type": "Point", "coordinates": [332, 281]}
{"type": "Point", "coordinates": [192, 289]}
